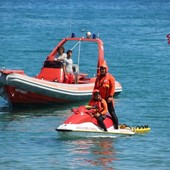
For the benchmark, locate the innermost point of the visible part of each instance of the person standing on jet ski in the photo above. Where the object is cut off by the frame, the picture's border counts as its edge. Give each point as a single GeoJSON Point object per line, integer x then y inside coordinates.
{"type": "Point", "coordinates": [105, 83]}
{"type": "Point", "coordinates": [100, 108]}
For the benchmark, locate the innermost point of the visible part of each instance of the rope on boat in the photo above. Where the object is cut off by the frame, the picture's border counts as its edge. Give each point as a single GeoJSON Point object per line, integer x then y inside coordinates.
{"type": "Point", "coordinates": [75, 45]}
{"type": "Point", "coordinates": [79, 54]}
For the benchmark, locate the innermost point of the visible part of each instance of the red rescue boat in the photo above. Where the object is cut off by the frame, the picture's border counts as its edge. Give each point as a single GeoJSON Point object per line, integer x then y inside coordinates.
{"type": "Point", "coordinates": [48, 86]}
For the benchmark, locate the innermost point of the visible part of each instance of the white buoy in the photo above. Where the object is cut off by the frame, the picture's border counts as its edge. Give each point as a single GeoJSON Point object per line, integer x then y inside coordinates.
{"type": "Point", "coordinates": [88, 34]}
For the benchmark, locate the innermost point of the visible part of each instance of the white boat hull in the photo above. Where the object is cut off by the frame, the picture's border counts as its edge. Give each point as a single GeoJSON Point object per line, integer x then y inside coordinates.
{"type": "Point", "coordinates": [90, 130]}
{"type": "Point", "coordinates": [61, 91]}
{"type": "Point", "coordinates": [51, 89]}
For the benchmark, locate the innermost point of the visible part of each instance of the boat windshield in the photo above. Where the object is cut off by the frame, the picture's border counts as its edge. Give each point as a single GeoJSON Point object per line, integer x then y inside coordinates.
{"type": "Point", "coordinates": [53, 64]}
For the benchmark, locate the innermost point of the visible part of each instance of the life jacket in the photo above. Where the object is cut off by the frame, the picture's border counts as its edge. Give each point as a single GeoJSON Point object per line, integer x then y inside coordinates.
{"type": "Point", "coordinates": [106, 85]}
{"type": "Point", "coordinates": [97, 105]}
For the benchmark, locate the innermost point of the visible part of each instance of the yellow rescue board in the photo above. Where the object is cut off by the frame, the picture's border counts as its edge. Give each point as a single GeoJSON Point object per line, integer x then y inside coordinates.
{"type": "Point", "coordinates": [141, 129]}
{"type": "Point", "coordinates": [137, 129]}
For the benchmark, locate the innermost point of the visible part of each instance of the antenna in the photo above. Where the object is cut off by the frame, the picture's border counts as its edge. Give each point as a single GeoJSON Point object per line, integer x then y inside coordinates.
{"type": "Point", "coordinates": [70, 26]}
{"type": "Point", "coordinates": [82, 30]}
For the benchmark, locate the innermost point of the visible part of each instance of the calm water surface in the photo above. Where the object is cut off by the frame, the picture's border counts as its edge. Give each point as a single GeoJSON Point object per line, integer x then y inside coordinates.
{"type": "Point", "coordinates": [136, 49]}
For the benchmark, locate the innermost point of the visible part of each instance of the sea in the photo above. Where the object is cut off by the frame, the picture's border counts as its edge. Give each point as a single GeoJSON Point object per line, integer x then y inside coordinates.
{"type": "Point", "coordinates": [138, 55]}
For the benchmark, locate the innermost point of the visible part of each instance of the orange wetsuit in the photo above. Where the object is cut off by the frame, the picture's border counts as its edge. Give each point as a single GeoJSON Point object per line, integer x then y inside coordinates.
{"type": "Point", "coordinates": [106, 85]}
{"type": "Point", "coordinates": [99, 105]}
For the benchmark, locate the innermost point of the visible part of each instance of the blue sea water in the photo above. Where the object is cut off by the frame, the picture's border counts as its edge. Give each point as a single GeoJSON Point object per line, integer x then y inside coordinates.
{"type": "Point", "coordinates": [137, 52]}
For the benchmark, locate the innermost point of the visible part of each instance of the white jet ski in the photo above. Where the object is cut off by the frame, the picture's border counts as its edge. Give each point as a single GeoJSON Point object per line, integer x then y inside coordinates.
{"type": "Point", "coordinates": [82, 124]}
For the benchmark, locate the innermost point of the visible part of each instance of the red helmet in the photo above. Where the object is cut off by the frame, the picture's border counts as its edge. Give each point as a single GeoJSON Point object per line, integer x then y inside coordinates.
{"type": "Point", "coordinates": [96, 91]}
{"type": "Point", "coordinates": [104, 65]}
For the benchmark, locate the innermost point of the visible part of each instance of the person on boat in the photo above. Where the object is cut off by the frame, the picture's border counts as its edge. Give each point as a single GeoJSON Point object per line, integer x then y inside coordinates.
{"type": "Point", "coordinates": [60, 55]}
{"type": "Point", "coordinates": [68, 67]}
{"type": "Point", "coordinates": [100, 107]}
{"type": "Point", "coordinates": [105, 83]}
{"type": "Point", "coordinates": [68, 62]}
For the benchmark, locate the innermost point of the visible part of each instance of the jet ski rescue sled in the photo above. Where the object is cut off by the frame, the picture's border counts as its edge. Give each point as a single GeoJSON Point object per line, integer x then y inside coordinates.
{"type": "Point", "coordinates": [82, 124]}
{"type": "Point", "coordinates": [49, 86]}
